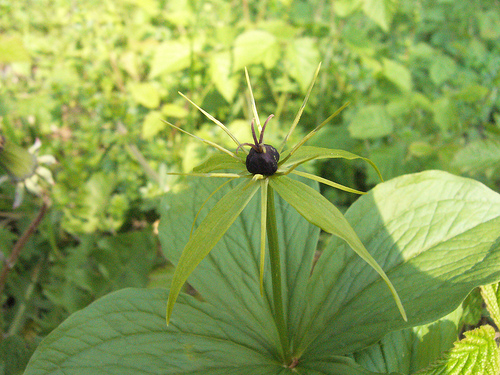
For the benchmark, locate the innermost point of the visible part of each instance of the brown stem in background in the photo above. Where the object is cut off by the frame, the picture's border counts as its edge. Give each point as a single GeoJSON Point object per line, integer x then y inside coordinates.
{"type": "Point", "coordinates": [16, 251]}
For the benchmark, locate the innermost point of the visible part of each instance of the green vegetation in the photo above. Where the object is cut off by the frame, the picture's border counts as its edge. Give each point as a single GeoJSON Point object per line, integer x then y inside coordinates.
{"type": "Point", "coordinates": [93, 80]}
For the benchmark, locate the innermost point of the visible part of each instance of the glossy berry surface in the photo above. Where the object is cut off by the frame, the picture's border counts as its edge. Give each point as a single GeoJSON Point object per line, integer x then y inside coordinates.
{"type": "Point", "coordinates": [264, 162]}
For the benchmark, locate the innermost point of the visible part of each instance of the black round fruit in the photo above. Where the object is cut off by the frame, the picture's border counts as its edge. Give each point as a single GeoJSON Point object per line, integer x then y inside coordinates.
{"type": "Point", "coordinates": [264, 162]}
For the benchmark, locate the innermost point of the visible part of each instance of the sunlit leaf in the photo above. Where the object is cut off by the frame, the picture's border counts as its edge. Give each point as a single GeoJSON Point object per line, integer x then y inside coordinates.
{"type": "Point", "coordinates": [318, 210]}
{"type": "Point", "coordinates": [476, 354]}
{"type": "Point", "coordinates": [436, 236]}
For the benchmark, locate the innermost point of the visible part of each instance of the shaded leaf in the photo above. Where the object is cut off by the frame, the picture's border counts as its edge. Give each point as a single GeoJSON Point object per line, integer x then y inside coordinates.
{"type": "Point", "coordinates": [318, 210]}
{"type": "Point", "coordinates": [208, 233]}
{"type": "Point", "coordinates": [131, 337]}
{"type": "Point", "coordinates": [436, 236]}
{"type": "Point", "coordinates": [398, 74]}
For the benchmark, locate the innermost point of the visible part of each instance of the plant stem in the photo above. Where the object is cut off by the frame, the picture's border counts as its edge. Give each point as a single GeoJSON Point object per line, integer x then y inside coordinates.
{"type": "Point", "coordinates": [274, 256]}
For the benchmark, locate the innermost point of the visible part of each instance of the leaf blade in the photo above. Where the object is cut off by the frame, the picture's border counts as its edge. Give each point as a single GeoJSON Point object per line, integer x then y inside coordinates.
{"type": "Point", "coordinates": [206, 236]}
{"type": "Point", "coordinates": [319, 211]}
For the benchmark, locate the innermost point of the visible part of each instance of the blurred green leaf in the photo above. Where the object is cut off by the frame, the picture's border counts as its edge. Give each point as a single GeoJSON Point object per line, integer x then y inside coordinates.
{"type": "Point", "coordinates": [152, 124]}
{"type": "Point", "coordinates": [489, 24]}
{"type": "Point", "coordinates": [380, 11]}
{"type": "Point", "coordinates": [255, 47]}
{"type": "Point", "coordinates": [302, 57]}
{"type": "Point", "coordinates": [371, 121]}
{"type": "Point", "coordinates": [171, 56]}
{"type": "Point", "coordinates": [479, 157]}
{"type": "Point", "coordinates": [145, 93]}
{"type": "Point", "coordinates": [398, 74]}
{"type": "Point", "coordinates": [221, 74]}
{"type": "Point", "coordinates": [442, 68]}
{"type": "Point", "coordinates": [12, 49]}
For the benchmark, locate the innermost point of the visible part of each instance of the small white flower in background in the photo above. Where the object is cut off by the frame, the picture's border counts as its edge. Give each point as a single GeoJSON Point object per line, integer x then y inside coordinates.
{"type": "Point", "coordinates": [23, 168]}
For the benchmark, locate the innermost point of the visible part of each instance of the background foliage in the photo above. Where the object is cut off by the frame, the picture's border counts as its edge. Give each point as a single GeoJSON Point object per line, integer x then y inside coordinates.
{"type": "Point", "coordinates": [92, 79]}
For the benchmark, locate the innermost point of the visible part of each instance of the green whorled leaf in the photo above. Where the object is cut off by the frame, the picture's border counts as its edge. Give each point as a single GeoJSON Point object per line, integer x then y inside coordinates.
{"type": "Point", "coordinates": [334, 365]}
{"type": "Point", "coordinates": [318, 210]}
{"type": "Point", "coordinates": [220, 161]}
{"type": "Point", "coordinates": [491, 296]}
{"type": "Point", "coordinates": [208, 233]}
{"type": "Point", "coordinates": [307, 153]}
{"type": "Point", "coordinates": [476, 354]}
{"type": "Point", "coordinates": [229, 276]}
{"type": "Point", "coordinates": [125, 333]}
{"type": "Point", "coordinates": [436, 236]}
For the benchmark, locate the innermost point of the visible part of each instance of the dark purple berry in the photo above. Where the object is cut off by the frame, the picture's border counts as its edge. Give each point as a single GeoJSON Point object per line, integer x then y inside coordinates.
{"type": "Point", "coordinates": [265, 162]}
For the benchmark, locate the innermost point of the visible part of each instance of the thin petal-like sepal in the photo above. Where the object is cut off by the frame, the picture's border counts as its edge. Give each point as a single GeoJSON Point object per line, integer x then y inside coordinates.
{"type": "Point", "coordinates": [327, 182]}
{"type": "Point", "coordinates": [301, 109]}
{"type": "Point", "coordinates": [307, 153]}
{"type": "Point", "coordinates": [319, 211]}
{"type": "Point", "coordinates": [252, 99]}
{"type": "Point", "coordinates": [210, 143]}
{"type": "Point", "coordinates": [208, 233]}
{"type": "Point", "coordinates": [213, 119]}
{"type": "Point", "coordinates": [204, 203]}
{"type": "Point", "coordinates": [218, 161]}
{"type": "Point", "coordinates": [263, 220]}
{"type": "Point", "coordinates": [313, 132]}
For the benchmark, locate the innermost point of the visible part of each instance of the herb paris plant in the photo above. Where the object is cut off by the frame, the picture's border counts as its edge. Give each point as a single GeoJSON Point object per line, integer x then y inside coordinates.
{"type": "Point", "coordinates": [263, 169]}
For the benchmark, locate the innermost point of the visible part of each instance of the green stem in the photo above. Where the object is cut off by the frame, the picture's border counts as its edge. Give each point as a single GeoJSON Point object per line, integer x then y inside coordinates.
{"type": "Point", "coordinates": [274, 255]}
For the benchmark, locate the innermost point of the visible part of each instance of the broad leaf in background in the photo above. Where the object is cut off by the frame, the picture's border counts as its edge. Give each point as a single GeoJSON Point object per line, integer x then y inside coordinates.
{"type": "Point", "coordinates": [222, 76]}
{"type": "Point", "coordinates": [371, 121]}
{"type": "Point", "coordinates": [436, 236]}
{"type": "Point", "coordinates": [171, 56]}
{"type": "Point", "coordinates": [255, 47]}
{"type": "Point", "coordinates": [302, 60]}
{"type": "Point", "coordinates": [491, 296]}
{"type": "Point", "coordinates": [411, 349]}
{"type": "Point", "coordinates": [380, 11]}
{"type": "Point", "coordinates": [476, 354]}
{"type": "Point", "coordinates": [481, 156]}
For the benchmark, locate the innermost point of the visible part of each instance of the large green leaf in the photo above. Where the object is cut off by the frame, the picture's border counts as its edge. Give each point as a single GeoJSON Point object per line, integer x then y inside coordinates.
{"type": "Point", "coordinates": [436, 236]}
{"type": "Point", "coordinates": [208, 233]}
{"type": "Point", "coordinates": [125, 333]}
{"type": "Point", "coordinates": [318, 210]}
{"type": "Point", "coordinates": [229, 276]}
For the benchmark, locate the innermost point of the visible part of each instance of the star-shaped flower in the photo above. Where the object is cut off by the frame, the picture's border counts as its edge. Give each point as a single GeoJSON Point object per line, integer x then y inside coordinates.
{"type": "Point", "coordinates": [265, 168]}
